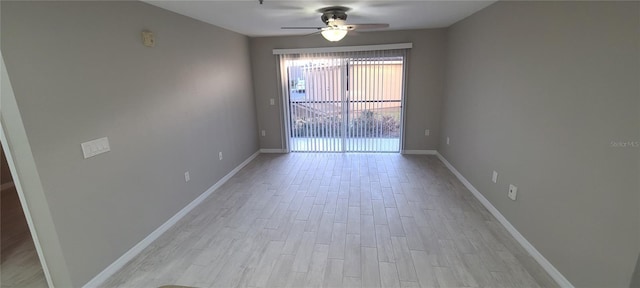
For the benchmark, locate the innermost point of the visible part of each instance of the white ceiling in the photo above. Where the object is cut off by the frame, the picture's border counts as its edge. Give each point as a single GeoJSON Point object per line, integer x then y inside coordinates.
{"type": "Point", "coordinates": [250, 18]}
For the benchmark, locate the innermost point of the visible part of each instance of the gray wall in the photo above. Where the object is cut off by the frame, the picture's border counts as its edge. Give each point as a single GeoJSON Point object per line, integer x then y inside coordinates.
{"type": "Point", "coordinates": [80, 72]}
{"type": "Point", "coordinates": [538, 91]}
{"type": "Point", "coordinates": [424, 82]}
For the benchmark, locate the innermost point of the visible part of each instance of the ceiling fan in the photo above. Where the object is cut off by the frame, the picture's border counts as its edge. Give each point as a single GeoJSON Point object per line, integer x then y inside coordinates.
{"type": "Point", "coordinates": [336, 28]}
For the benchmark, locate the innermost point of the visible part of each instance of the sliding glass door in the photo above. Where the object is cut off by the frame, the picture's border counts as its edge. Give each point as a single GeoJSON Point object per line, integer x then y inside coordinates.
{"type": "Point", "coordinates": [344, 102]}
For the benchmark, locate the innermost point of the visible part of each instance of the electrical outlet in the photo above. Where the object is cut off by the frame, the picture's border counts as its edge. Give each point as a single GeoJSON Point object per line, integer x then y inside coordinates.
{"type": "Point", "coordinates": [220, 155]}
{"type": "Point", "coordinates": [513, 192]}
{"type": "Point", "coordinates": [426, 132]}
{"type": "Point", "coordinates": [272, 101]}
{"type": "Point", "coordinates": [264, 133]}
{"type": "Point", "coordinates": [447, 140]}
{"type": "Point", "coordinates": [494, 177]}
{"type": "Point", "coordinates": [186, 176]}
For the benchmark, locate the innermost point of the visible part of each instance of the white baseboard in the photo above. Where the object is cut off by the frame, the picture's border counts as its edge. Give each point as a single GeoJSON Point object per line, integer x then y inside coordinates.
{"type": "Point", "coordinates": [546, 265]}
{"type": "Point", "coordinates": [419, 152]}
{"type": "Point", "coordinates": [271, 151]}
{"type": "Point", "coordinates": [126, 257]}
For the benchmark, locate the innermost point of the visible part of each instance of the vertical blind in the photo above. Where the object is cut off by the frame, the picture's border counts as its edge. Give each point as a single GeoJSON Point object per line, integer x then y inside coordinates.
{"type": "Point", "coordinates": [343, 101]}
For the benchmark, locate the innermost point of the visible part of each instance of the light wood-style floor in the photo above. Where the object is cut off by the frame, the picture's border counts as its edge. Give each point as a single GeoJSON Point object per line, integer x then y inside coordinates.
{"type": "Point", "coordinates": [337, 220]}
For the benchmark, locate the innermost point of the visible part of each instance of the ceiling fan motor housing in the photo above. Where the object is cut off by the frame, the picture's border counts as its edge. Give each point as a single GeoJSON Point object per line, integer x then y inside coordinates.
{"type": "Point", "coordinates": [333, 13]}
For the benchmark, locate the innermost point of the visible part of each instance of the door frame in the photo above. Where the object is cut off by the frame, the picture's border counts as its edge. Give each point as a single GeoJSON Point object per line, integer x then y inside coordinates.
{"type": "Point", "coordinates": [25, 207]}
{"type": "Point", "coordinates": [13, 128]}
{"type": "Point", "coordinates": [286, 98]}
{"type": "Point", "coordinates": [284, 95]}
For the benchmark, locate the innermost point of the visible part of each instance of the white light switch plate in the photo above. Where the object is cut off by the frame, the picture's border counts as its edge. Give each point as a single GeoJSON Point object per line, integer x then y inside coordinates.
{"type": "Point", "coordinates": [494, 177]}
{"type": "Point", "coordinates": [272, 101]}
{"type": "Point", "coordinates": [95, 147]}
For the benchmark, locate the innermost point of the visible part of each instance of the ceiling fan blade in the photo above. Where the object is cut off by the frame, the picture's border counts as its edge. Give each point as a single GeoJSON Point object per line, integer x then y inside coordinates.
{"type": "Point", "coordinates": [367, 26]}
{"type": "Point", "coordinates": [307, 28]}
{"type": "Point", "coordinates": [311, 34]}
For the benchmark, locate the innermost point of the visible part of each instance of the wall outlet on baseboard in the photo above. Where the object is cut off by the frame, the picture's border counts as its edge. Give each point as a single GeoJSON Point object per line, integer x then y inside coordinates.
{"type": "Point", "coordinates": [186, 176]}
{"type": "Point", "coordinates": [494, 177]}
{"type": "Point", "coordinates": [263, 133]}
{"type": "Point", "coordinates": [513, 192]}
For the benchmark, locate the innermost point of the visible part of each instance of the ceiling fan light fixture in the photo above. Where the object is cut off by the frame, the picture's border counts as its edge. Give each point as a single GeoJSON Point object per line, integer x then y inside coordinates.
{"type": "Point", "coordinates": [336, 28]}
{"type": "Point", "coordinates": [334, 34]}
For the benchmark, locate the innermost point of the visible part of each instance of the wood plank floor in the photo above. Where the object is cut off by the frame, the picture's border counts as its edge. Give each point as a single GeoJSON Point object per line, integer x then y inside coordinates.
{"type": "Point", "coordinates": [337, 220]}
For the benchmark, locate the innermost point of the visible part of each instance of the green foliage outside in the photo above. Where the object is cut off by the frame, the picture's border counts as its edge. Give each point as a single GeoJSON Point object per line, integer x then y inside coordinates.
{"type": "Point", "coordinates": [367, 125]}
